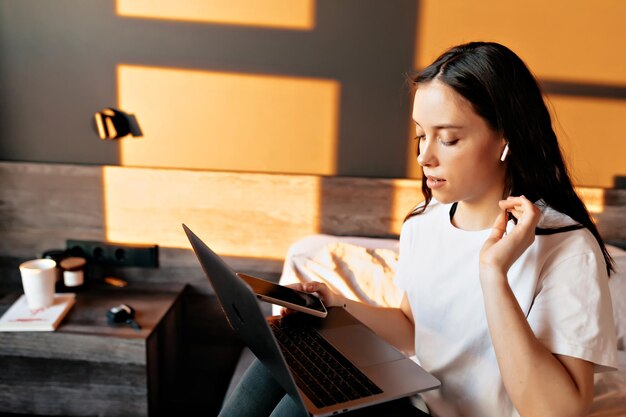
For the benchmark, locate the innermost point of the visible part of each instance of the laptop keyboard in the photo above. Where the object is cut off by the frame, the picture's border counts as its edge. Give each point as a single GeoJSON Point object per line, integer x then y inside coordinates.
{"type": "Point", "coordinates": [321, 372]}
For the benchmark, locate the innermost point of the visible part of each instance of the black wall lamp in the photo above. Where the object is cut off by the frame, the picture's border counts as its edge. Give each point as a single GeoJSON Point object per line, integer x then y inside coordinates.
{"type": "Point", "coordinates": [112, 123]}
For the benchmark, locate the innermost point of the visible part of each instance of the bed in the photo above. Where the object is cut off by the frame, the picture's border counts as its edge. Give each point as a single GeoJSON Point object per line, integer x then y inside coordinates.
{"type": "Point", "coordinates": [363, 269]}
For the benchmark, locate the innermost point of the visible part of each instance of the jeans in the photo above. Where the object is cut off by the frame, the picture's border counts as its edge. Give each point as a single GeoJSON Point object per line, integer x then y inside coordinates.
{"type": "Point", "coordinates": [259, 395]}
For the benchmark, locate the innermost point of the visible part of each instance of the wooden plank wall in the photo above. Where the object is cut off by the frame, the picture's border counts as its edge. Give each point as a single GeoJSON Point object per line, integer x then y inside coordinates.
{"type": "Point", "coordinates": [249, 218]}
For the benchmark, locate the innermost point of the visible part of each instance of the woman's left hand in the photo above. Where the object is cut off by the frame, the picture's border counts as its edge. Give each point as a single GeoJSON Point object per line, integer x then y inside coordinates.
{"type": "Point", "coordinates": [501, 250]}
{"type": "Point", "coordinates": [319, 289]}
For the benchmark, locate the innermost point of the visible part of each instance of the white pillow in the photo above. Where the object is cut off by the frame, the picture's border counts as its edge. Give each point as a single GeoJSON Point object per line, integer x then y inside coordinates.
{"type": "Point", "coordinates": [360, 268]}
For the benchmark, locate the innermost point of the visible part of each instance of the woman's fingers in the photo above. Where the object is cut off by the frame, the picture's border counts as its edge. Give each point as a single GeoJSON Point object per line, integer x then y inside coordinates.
{"type": "Point", "coordinates": [501, 250]}
{"type": "Point", "coordinates": [324, 292]}
{"type": "Point", "coordinates": [499, 226]}
{"type": "Point", "coordinates": [522, 208]}
{"type": "Point", "coordinates": [318, 288]}
{"type": "Point", "coordinates": [313, 286]}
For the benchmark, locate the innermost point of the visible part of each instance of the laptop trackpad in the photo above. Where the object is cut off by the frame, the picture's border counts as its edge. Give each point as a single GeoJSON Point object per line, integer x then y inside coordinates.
{"type": "Point", "coordinates": [362, 346]}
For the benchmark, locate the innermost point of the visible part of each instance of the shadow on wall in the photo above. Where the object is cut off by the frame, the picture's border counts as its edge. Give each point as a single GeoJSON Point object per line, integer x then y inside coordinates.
{"type": "Point", "coordinates": [61, 63]}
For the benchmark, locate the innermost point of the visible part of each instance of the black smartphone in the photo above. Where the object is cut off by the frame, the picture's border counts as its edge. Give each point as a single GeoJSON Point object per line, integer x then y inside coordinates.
{"type": "Point", "coordinates": [285, 296]}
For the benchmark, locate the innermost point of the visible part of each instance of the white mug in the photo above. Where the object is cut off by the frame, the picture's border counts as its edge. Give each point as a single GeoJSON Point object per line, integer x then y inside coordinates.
{"type": "Point", "coordinates": [38, 279]}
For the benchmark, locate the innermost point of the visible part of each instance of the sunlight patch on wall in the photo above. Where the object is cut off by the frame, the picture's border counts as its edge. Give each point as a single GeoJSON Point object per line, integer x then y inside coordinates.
{"type": "Point", "coordinates": [590, 135]}
{"type": "Point", "coordinates": [593, 199]}
{"type": "Point", "coordinates": [243, 215]}
{"type": "Point", "coordinates": [230, 121]}
{"type": "Point", "coordinates": [561, 40]}
{"type": "Point", "coordinates": [281, 14]}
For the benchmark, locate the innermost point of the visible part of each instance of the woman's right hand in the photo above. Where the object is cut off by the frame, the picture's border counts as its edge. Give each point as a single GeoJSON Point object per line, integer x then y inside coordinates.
{"type": "Point", "coordinates": [501, 250]}
{"type": "Point", "coordinates": [319, 289]}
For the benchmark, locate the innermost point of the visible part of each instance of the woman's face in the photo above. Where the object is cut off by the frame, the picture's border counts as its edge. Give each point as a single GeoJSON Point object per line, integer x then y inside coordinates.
{"type": "Point", "coordinates": [458, 150]}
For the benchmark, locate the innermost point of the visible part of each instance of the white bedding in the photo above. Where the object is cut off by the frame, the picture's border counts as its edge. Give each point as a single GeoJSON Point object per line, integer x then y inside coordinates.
{"type": "Point", "coordinates": [610, 391]}
{"type": "Point", "coordinates": [363, 269]}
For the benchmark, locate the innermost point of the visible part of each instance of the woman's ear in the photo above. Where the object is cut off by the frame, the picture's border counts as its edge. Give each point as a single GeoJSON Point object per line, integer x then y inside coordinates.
{"type": "Point", "coordinates": [505, 152]}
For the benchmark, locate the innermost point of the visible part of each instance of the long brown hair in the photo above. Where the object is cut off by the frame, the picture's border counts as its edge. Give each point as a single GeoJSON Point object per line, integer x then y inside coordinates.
{"type": "Point", "coordinates": [504, 92]}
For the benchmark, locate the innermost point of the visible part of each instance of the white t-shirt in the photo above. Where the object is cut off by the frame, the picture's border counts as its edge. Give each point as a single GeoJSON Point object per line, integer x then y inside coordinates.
{"type": "Point", "coordinates": [560, 283]}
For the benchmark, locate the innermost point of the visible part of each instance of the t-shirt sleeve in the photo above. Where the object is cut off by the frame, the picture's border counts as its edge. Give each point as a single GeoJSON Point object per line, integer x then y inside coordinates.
{"type": "Point", "coordinates": [572, 313]}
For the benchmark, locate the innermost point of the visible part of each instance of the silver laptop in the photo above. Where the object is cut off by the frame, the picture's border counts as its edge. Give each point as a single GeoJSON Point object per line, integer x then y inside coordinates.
{"type": "Point", "coordinates": [361, 368]}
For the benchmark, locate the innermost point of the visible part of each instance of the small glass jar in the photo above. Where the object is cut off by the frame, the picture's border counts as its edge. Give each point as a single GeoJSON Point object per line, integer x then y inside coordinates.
{"type": "Point", "coordinates": [73, 273]}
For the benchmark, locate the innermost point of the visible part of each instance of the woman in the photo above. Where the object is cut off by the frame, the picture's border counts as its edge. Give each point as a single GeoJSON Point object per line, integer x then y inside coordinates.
{"type": "Point", "coordinates": [505, 275]}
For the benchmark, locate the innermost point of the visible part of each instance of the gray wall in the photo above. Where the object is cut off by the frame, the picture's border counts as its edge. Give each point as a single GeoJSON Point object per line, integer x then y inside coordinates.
{"type": "Point", "coordinates": [58, 61]}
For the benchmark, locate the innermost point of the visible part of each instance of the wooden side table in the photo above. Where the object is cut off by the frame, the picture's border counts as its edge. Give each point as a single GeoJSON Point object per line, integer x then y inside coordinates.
{"type": "Point", "coordinates": [87, 367]}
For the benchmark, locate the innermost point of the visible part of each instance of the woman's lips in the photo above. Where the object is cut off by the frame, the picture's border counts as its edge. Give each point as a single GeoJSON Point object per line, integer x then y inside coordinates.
{"type": "Point", "coordinates": [433, 182]}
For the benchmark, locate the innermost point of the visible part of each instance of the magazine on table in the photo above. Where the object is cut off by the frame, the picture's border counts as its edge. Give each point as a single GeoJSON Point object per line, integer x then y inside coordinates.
{"type": "Point", "coordinates": [21, 318]}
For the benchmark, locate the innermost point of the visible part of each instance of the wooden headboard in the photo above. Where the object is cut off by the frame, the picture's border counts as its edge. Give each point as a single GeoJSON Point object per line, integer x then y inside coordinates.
{"type": "Point", "coordinates": [249, 218]}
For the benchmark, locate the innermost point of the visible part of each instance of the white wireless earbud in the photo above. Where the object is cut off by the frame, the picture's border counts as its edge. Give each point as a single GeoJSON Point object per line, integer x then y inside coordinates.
{"type": "Point", "coordinates": [505, 152]}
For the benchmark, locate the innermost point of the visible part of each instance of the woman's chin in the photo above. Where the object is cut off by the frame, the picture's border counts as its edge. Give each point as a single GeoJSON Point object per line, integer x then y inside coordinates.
{"type": "Point", "coordinates": [443, 198]}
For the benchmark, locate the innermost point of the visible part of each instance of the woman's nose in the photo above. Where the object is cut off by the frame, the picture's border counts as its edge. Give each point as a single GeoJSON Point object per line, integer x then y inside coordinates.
{"type": "Point", "coordinates": [425, 156]}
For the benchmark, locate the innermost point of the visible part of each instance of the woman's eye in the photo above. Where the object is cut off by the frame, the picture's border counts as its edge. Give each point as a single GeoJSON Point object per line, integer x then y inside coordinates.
{"type": "Point", "coordinates": [448, 142]}
{"type": "Point", "coordinates": [420, 137]}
